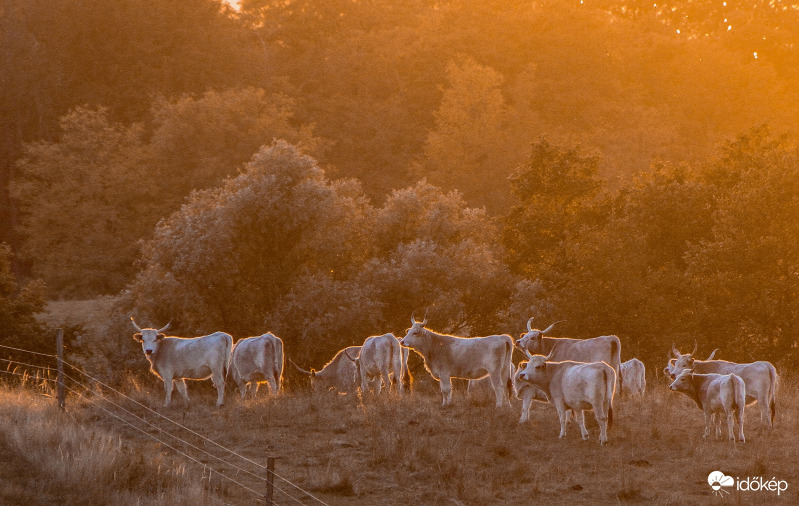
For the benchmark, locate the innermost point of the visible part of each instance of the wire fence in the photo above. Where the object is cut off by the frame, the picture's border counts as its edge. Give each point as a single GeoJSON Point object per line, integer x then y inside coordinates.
{"type": "Point", "coordinates": [260, 483]}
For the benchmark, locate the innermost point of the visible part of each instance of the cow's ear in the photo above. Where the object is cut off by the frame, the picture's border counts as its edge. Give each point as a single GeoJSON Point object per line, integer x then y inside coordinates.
{"type": "Point", "coordinates": [137, 336]}
{"type": "Point", "coordinates": [160, 336]}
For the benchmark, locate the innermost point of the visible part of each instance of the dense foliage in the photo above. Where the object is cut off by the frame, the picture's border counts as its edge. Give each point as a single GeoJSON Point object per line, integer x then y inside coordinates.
{"type": "Point", "coordinates": [325, 168]}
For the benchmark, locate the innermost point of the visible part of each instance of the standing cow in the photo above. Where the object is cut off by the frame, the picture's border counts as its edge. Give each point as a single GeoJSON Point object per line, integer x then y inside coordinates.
{"type": "Point", "coordinates": [715, 394]}
{"type": "Point", "coordinates": [380, 360]}
{"type": "Point", "coordinates": [760, 378]}
{"type": "Point", "coordinates": [598, 349]}
{"type": "Point", "coordinates": [338, 374]}
{"type": "Point", "coordinates": [447, 357]}
{"type": "Point", "coordinates": [255, 360]}
{"type": "Point", "coordinates": [575, 386]}
{"type": "Point", "coordinates": [175, 359]}
{"type": "Point", "coordinates": [526, 392]}
{"type": "Point", "coordinates": [633, 373]}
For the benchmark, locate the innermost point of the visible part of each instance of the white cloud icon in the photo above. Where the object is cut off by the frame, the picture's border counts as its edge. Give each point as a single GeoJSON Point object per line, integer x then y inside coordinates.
{"type": "Point", "coordinates": [717, 479]}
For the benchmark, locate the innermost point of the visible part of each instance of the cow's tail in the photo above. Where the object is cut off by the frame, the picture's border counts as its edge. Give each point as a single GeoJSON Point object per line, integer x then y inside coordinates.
{"type": "Point", "coordinates": [610, 387]}
{"type": "Point", "coordinates": [615, 356]}
{"type": "Point", "coordinates": [228, 355]}
{"type": "Point", "coordinates": [772, 398]}
{"type": "Point", "coordinates": [739, 396]}
{"type": "Point", "coordinates": [508, 367]}
{"type": "Point", "coordinates": [396, 365]}
{"type": "Point", "coordinates": [277, 356]}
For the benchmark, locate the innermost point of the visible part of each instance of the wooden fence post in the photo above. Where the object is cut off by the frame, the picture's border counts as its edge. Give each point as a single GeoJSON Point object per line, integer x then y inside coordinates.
{"type": "Point", "coordinates": [60, 353]}
{"type": "Point", "coordinates": [270, 480]}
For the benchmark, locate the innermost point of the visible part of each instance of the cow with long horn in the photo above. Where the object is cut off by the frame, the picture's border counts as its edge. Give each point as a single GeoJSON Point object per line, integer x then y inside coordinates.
{"type": "Point", "coordinates": [176, 359]}
{"type": "Point", "coordinates": [338, 374]}
{"type": "Point", "coordinates": [447, 357]}
{"type": "Point", "coordinates": [597, 349]}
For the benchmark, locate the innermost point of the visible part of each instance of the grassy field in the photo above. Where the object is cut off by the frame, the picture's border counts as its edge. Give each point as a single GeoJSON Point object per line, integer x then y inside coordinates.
{"type": "Point", "coordinates": [387, 450]}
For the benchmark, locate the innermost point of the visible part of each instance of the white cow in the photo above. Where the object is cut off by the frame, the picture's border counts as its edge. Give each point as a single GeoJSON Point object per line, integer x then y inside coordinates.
{"type": "Point", "coordinates": [526, 392]}
{"type": "Point", "coordinates": [447, 357]}
{"type": "Point", "coordinates": [633, 373]}
{"type": "Point", "coordinates": [338, 374]}
{"type": "Point", "coordinates": [175, 359]}
{"type": "Point", "coordinates": [575, 386]}
{"type": "Point", "coordinates": [255, 360]}
{"type": "Point", "coordinates": [715, 394]}
{"type": "Point", "coordinates": [597, 349]}
{"type": "Point", "coordinates": [760, 378]}
{"type": "Point", "coordinates": [380, 360]}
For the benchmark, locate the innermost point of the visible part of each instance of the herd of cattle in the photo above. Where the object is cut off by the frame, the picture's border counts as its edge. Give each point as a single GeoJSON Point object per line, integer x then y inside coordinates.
{"type": "Point", "coordinates": [574, 375]}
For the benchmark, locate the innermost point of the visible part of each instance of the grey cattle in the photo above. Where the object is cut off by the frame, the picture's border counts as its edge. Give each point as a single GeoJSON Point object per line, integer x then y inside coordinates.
{"type": "Point", "coordinates": [633, 374]}
{"type": "Point", "coordinates": [447, 357]}
{"type": "Point", "coordinates": [715, 394]}
{"type": "Point", "coordinates": [598, 349]}
{"type": "Point", "coordinates": [175, 359]}
{"type": "Point", "coordinates": [575, 386]}
{"type": "Point", "coordinates": [255, 360]}
{"type": "Point", "coordinates": [760, 378]}
{"type": "Point", "coordinates": [338, 374]}
{"type": "Point", "coordinates": [380, 360]}
{"type": "Point", "coordinates": [526, 392]}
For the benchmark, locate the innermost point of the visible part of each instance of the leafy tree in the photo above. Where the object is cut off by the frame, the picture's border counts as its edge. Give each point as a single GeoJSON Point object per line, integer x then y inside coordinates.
{"type": "Point", "coordinates": [19, 305]}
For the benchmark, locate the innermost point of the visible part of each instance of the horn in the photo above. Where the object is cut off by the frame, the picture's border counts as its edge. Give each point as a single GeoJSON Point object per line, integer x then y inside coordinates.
{"type": "Point", "coordinates": [529, 324]}
{"type": "Point", "coordinates": [162, 329]}
{"type": "Point", "coordinates": [677, 354]}
{"type": "Point", "coordinates": [309, 373]}
{"type": "Point", "coordinates": [347, 352]}
{"type": "Point", "coordinates": [134, 324]}
{"type": "Point", "coordinates": [413, 319]}
{"type": "Point", "coordinates": [550, 327]}
{"type": "Point", "coordinates": [527, 353]}
{"type": "Point", "coordinates": [693, 353]}
{"type": "Point", "coordinates": [424, 322]}
{"type": "Point", "coordinates": [712, 354]}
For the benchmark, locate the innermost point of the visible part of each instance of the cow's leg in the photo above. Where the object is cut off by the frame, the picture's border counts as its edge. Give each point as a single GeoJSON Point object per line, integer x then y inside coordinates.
{"type": "Point", "coordinates": [181, 386]}
{"type": "Point", "coordinates": [708, 422]}
{"type": "Point", "coordinates": [446, 390]}
{"type": "Point", "coordinates": [219, 382]}
{"type": "Point", "coordinates": [765, 416]}
{"type": "Point", "coordinates": [242, 386]}
{"type": "Point", "coordinates": [168, 390]}
{"type": "Point", "coordinates": [563, 416]}
{"type": "Point", "coordinates": [602, 419]}
{"type": "Point", "coordinates": [728, 414]}
{"type": "Point", "coordinates": [272, 385]}
{"type": "Point", "coordinates": [527, 400]}
{"type": "Point", "coordinates": [581, 423]}
{"type": "Point", "coordinates": [739, 414]}
{"type": "Point", "coordinates": [386, 381]}
{"type": "Point", "coordinates": [499, 388]}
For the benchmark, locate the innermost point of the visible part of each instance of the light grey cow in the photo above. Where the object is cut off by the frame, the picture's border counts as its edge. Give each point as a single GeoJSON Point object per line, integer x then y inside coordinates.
{"type": "Point", "coordinates": [175, 359]}
{"type": "Point", "coordinates": [715, 394]}
{"type": "Point", "coordinates": [759, 377]}
{"type": "Point", "coordinates": [447, 357]}
{"type": "Point", "coordinates": [633, 373]}
{"type": "Point", "coordinates": [380, 360]}
{"type": "Point", "coordinates": [597, 349]}
{"type": "Point", "coordinates": [338, 374]}
{"type": "Point", "coordinates": [256, 360]}
{"type": "Point", "coordinates": [575, 386]}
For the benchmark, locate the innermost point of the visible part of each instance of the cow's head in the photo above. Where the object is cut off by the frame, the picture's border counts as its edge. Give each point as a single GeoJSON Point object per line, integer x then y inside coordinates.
{"type": "Point", "coordinates": [311, 374]}
{"type": "Point", "coordinates": [535, 370]}
{"type": "Point", "coordinates": [681, 362]}
{"type": "Point", "coordinates": [683, 383]}
{"type": "Point", "coordinates": [532, 340]}
{"type": "Point", "coordinates": [149, 338]}
{"type": "Point", "coordinates": [416, 335]}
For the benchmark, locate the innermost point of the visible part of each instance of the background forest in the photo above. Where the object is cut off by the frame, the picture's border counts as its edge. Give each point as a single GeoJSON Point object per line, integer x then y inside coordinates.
{"type": "Point", "coordinates": [322, 169]}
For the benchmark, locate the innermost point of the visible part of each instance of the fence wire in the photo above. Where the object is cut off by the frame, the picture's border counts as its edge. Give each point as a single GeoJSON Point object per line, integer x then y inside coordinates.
{"type": "Point", "coordinates": [95, 393]}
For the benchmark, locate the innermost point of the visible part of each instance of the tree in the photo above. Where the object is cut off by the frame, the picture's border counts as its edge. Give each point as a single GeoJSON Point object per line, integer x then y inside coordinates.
{"type": "Point", "coordinates": [19, 305]}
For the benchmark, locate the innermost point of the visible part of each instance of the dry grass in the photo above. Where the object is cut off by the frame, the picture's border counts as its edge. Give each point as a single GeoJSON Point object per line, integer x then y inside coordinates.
{"type": "Point", "coordinates": [409, 450]}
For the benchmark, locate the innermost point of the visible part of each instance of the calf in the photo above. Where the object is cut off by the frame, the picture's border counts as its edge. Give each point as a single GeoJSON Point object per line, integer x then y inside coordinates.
{"type": "Point", "coordinates": [715, 394]}
{"type": "Point", "coordinates": [576, 386]}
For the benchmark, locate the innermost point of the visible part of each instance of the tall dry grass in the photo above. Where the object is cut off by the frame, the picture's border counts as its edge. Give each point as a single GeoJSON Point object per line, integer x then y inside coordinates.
{"type": "Point", "coordinates": [390, 450]}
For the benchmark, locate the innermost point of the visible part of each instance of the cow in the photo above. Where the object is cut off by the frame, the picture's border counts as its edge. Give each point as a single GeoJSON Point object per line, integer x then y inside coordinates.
{"type": "Point", "coordinates": [175, 359]}
{"type": "Point", "coordinates": [380, 359]}
{"type": "Point", "coordinates": [633, 374]}
{"type": "Point", "coordinates": [575, 386]}
{"type": "Point", "coordinates": [526, 392]}
{"type": "Point", "coordinates": [338, 374]}
{"type": "Point", "coordinates": [759, 377]}
{"type": "Point", "coordinates": [670, 366]}
{"type": "Point", "coordinates": [597, 349]}
{"type": "Point", "coordinates": [715, 394]}
{"type": "Point", "coordinates": [255, 360]}
{"type": "Point", "coordinates": [447, 357]}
